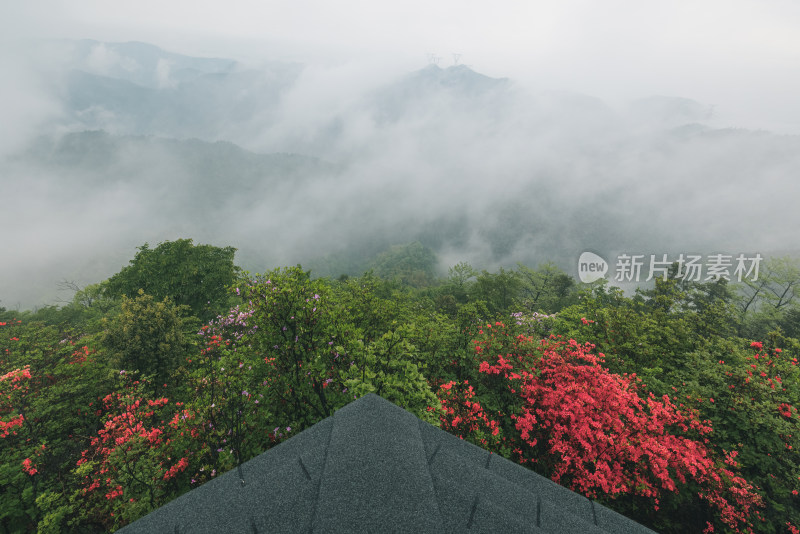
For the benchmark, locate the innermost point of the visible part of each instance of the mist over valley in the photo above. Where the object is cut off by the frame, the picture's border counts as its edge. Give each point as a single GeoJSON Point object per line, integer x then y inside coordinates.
{"type": "Point", "coordinates": [294, 163]}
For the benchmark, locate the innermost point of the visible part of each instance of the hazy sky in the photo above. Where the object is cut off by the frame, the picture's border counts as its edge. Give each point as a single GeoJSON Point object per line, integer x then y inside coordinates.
{"type": "Point", "coordinates": [741, 56]}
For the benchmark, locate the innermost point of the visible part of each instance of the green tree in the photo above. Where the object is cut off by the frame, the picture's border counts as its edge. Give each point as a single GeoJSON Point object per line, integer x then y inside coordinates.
{"type": "Point", "coordinates": [456, 288]}
{"type": "Point", "coordinates": [764, 303]}
{"type": "Point", "coordinates": [389, 367]}
{"type": "Point", "coordinates": [790, 323]}
{"type": "Point", "coordinates": [148, 336]}
{"type": "Point", "coordinates": [48, 384]}
{"type": "Point", "coordinates": [323, 343]}
{"type": "Point", "coordinates": [546, 289]}
{"type": "Point", "coordinates": [412, 264]}
{"type": "Point", "coordinates": [500, 291]}
{"type": "Point", "coordinates": [192, 275]}
{"type": "Point", "coordinates": [84, 312]}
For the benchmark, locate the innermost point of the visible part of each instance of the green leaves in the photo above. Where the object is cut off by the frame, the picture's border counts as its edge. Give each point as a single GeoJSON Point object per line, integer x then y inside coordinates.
{"type": "Point", "coordinates": [387, 368]}
{"type": "Point", "coordinates": [189, 275]}
{"type": "Point", "coordinates": [148, 336]}
{"type": "Point", "coordinates": [286, 351]}
{"type": "Point", "coordinates": [412, 264]}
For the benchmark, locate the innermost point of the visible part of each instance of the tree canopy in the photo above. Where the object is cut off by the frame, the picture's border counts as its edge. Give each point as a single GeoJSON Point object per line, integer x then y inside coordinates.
{"type": "Point", "coordinates": [189, 275]}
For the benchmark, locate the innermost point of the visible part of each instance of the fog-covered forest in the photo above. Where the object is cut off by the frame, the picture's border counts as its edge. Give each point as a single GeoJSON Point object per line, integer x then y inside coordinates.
{"type": "Point", "coordinates": [566, 233]}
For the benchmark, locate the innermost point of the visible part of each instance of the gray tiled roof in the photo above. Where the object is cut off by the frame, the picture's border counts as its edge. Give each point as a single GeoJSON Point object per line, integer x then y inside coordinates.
{"type": "Point", "coordinates": [374, 467]}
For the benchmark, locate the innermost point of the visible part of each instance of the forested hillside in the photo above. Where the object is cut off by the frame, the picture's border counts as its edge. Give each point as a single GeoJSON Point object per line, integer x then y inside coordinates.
{"type": "Point", "coordinates": [676, 406]}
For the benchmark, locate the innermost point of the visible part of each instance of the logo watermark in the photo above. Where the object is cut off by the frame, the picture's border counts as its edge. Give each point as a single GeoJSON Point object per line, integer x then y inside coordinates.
{"type": "Point", "coordinates": [591, 267]}
{"type": "Point", "coordinates": [691, 267]}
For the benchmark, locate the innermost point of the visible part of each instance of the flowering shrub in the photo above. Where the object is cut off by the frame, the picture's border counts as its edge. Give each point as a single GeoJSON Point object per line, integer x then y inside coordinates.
{"type": "Point", "coordinates": [14, 386]}
{"type": "Point", "coordinates": [590, 429]}
{"type": "Point", "coordinates": [533, 323]}
{"type": "Point", "coordinates": [750, 391]}
{"type": "Point", "coordinates": [464, 417]}
{"type": "Point", "coordinates": [47, 384]}
{"type": "Point", "coordinates": [229, 382]}
{"type": "Point", "coordinates": [131, 467]}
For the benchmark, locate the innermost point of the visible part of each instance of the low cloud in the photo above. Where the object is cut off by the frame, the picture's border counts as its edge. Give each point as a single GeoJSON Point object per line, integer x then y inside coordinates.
{"type": "Point", "coordinates": [486, 170]}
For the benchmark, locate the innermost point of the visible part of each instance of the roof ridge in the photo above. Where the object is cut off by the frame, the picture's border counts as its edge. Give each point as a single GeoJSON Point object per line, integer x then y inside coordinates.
{"type": "Point", "coordinates": [376, 461]}
{"type": "Point", "coordinates": [314, 513]}
{"type": "Point", "coordinates": [429, 461]}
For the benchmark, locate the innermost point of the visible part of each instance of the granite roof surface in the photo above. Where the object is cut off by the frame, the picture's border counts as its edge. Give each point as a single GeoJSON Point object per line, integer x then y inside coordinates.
{"type": "Point", "coordinates": [374, 467]}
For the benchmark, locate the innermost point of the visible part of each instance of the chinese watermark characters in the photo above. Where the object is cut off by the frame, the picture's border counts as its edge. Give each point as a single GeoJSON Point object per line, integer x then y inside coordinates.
{"type": "Point", "coordinates": [690, 267]}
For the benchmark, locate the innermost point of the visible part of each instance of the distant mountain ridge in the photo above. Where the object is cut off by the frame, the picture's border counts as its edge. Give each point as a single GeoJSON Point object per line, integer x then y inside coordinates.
{"type": "Point", "coordinates": [139, 89]}
{"type": "Point", "coordinates": [142, 63]}
{"type": "Point", "coordinates": [284, 165]}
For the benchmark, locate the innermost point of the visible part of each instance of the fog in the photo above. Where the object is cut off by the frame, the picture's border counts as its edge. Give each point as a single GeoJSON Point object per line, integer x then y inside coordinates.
{"type": "Point", "coordinates": [318, 134]}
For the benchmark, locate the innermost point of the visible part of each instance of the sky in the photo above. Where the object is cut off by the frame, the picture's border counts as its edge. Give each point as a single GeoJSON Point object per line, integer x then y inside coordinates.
{"type": "Point", "coordinates": [740, 56]}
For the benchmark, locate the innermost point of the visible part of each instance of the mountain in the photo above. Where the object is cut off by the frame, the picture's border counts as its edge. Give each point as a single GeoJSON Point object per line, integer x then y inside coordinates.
{"type": "Point", "coordinates": [432, 85]}
{"type": "Point", "coordinates": [140, 89]}
{"type": "Point", "coordinates": [142, 64]}
{"type": "Point", "coordinates": [669, 111]}
{"type": "Point", "coordinates": [293, 163]}
{"type": "Point", "coordinates": [190, 179]}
